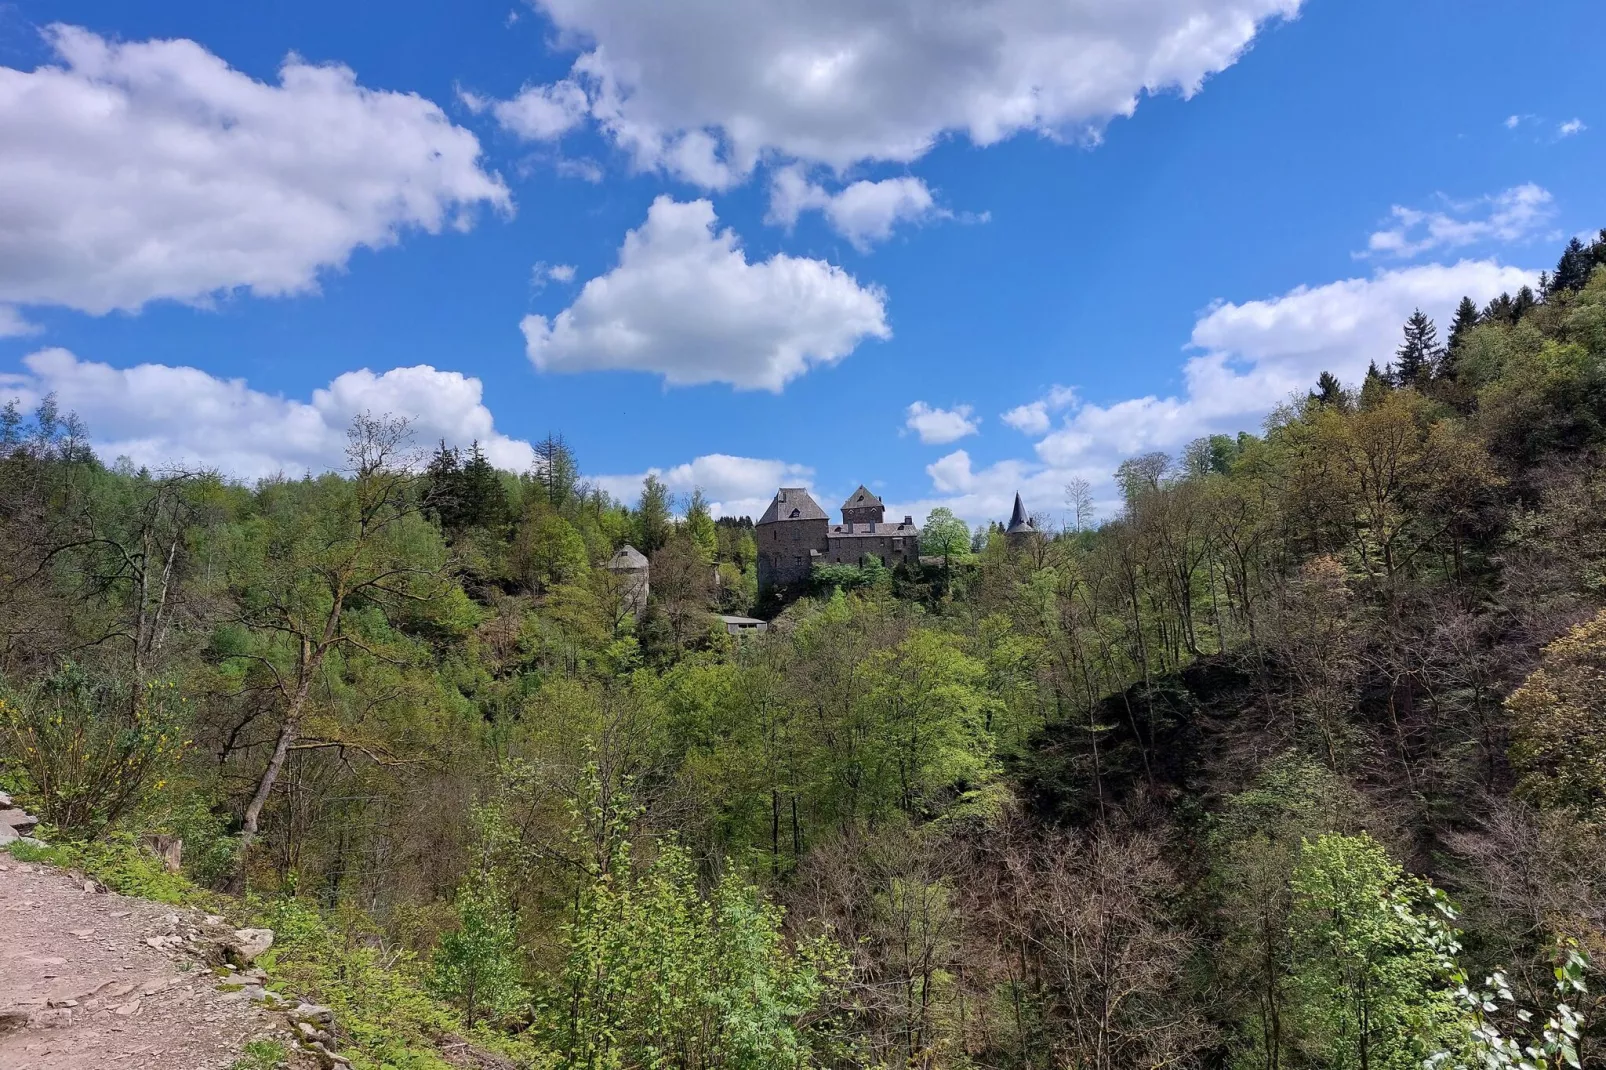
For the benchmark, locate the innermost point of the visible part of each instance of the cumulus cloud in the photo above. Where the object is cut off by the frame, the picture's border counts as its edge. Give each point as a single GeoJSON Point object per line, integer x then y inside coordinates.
{"type": "Point", "coordinates": [1571, 127]}
{"type": "Point", "coordinates": [734, 486]}
{"type": "Point", "coordinates": [159, 415]}
{"type": "Point", "coordinates": [705, 88]}
{"type": "Point", "coordinates": [1032, 418]}
{"type": "Point", "coordinates": [684, 302]}
{"type": "Point", "coordinates": [864, 212]}
{"type": "Point", "coordinates": [537, 112]}
{"type": "Point", "coordinates": [939, 426]}
{"type": "Point", "coordinates": [139, 171]}
{"type": "Point", "coordinates": [1508, 216]}
{"type": "Point", "coordinates": [1252, 356]}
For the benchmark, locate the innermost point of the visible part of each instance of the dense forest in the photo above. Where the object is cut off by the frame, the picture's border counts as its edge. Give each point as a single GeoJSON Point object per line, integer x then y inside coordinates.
{"type": "Point", "coordinates": [1297, 761]}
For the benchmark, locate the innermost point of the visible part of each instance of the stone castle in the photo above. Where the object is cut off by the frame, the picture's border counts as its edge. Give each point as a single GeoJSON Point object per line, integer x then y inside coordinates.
{"type": "Point", "coordinates": [794, 533]}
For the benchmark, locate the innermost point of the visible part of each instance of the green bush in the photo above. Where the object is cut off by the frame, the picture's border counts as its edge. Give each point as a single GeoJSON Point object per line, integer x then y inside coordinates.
{"type": "Point", "coordinates": [85, 749]}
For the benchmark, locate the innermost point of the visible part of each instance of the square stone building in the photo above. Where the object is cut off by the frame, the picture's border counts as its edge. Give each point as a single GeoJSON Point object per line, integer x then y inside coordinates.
{"type": "Point", "coordinates": [795, 532]}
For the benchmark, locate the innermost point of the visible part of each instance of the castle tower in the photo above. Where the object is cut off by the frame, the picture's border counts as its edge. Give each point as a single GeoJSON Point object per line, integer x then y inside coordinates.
{"type": "Point", "coordinates": [1021, 530]}
{"type": "Point", "coordinates": [862, 507]}
{"type": "Point", "coordinates": [633, 569]}
{"type": "Point", "coordinates": [790, 535]}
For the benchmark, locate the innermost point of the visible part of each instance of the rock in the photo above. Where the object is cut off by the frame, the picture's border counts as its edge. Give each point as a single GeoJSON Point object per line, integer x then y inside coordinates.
{"type": "Point", "coordinates": [170, 849]}
{"type": "Point", "coordinates": [246, 944]}
{"type": "Point", "coordinates": [12, 1020]}
{"type": "Point", "coordinates": [54, 1018]}
{"type": "Point", "coordinates": [5, 801]}
{"type": "Point", "coordinates": [313, 1012]}
{"type": "Point", "coordinates": [128, 1009]}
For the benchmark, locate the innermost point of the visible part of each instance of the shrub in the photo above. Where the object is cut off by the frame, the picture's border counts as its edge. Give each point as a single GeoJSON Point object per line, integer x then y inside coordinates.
{"type": "Point", "coordinates": [86, 749]}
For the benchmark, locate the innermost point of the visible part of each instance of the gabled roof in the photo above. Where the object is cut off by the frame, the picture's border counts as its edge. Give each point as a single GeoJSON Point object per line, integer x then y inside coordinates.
{"type": "Point", "coordinates": [792, 503]}
{"type": "Point", "coordinates": [862, 499]}
{"type": "Point", "coordinates": [1018, 520]}
{"type": "Point", "coordinates": [627, 558]}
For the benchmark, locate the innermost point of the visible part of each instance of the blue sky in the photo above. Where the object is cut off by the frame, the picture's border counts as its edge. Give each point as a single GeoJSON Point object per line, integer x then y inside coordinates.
{"type": "Point", "coordinates": [909, 243]}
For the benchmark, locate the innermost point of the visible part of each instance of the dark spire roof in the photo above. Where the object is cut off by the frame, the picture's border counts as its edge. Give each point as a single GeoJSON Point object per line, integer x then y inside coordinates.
{"type": "Point", "coordinates": [1018, 520]}
{"type": "Point", "coordinates": [862, 499]}
{"type": "Point", "coordinates": [792, 503]}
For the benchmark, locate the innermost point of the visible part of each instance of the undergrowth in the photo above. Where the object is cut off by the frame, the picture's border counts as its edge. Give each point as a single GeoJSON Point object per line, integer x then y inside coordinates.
{"type": "Point", "coordinates": [386, 1018]}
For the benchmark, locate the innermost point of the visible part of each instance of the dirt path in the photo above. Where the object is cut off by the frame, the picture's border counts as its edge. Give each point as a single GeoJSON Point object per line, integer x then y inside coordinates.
{"type": "Point", "coordinates": [83, 988]}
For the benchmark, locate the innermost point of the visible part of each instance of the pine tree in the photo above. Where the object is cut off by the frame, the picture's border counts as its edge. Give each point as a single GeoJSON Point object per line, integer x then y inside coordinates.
{"type": "Point", "coordinates": [1466, 318]}
{"type": "Point", "coordinates": [1500, 310]}
{"type": "Point", "coordinates": [1328, 391]}
{"type": "Point", "coordinates": [1375, 387]}
{"type": "Point", "coordinates": [555, 471]}
{"type": "Point", "coordinates": [652, 516]}
{"type": "Point", "coordinates": [1574, 267]}
{"type": "Point", "coordinates": [1523, 303]}
{"type": "Point", "coordinates": [483, 499]}
{"type": "Point", "coordinates": [443, 498]}
{"type": "Point", "coordinates": [1419, 353]}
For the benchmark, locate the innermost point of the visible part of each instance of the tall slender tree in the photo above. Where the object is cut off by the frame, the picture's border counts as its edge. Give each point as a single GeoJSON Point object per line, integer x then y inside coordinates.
{"type": "Point", "coordinates": [1419, 354]}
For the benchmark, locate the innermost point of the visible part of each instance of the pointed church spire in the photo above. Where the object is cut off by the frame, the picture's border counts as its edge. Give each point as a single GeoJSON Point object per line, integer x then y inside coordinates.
{"type": "Point", "coordinates": [1018, 520]}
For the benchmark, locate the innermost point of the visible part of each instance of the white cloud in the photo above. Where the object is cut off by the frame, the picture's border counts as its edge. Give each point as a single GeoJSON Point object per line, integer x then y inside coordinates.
{"type": "Point", "coordinates": [543, 273]}
{"type": "Point", "coordinates": [1255, 355]}
{"type": "Point", "coordinates": [940, 426]}
{"type": "Point", "coordinates": [684, 302]}
{"type": "Point", "coordinates": [734, 486]}
{"type": "Point", "coordinates": [1571, 127]}
{"type": "Point", "coordinates": [864, 212]}
{"type": "Point", "coordinates": [12, 323]}
{"type": "Point", "coordinates": [1033, 417]}
{"type": "Point", "coordinates": [148, 170]}
{"type": "Point", "coordinates": [537, 112]}
{"type": "Point", "coordinates": [1513, 121]}
{"type": "Point", "coordinates": [160, 415]}
{"type": "Point", "coordinates": [705, 88]}
{"type": "Point", "coordinates": [1508, 216]}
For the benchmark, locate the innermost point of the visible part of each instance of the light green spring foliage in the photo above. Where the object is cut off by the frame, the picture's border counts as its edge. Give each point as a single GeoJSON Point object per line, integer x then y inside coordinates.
{"type": "Point", "coordinates": [85, 749]}
{"type": "Point", "coordinates": [1370, 985]}
{"type": "Point", "coordinates": [475, 966]}
{"type": "Point", "coordinates": [661, 975]}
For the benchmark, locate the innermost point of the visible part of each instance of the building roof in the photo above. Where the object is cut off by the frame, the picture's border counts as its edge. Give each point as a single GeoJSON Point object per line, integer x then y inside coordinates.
{"type": "Point", "coordinates": [842, 531]}
{"type": "Point", "coordinates": [627, 559]}
{"type": "Point", "coordinates": [792, 503]}
{"type": "Point", "coordinates": [1019, 522]}
{"type": "Point", "coordinates": [862, 499]}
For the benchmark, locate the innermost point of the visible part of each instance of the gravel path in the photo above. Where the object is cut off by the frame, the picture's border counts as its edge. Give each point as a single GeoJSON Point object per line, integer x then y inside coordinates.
{"type": "Point", "coordinates": [83, 987]}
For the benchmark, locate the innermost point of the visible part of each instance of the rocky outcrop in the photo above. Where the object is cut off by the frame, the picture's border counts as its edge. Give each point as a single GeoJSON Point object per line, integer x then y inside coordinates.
{"type": "Point", "coordinates": [15, 823]}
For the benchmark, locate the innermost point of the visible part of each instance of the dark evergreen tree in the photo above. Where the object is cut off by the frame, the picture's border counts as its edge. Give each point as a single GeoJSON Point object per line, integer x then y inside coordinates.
{"type": "Point", "coordinates": [556, 472]}
{"type": "Point", "coordinates": [1574, 268]}
{"type": "Point", "coordinates": [1375, 386]}
{"type": "Point", "coordinates": [1523, 303]}
{"type": "Point", "coordinates": [1500, 310]}
{"type": "Point", "coordinates": [1419, 353]}
{"type": "Point", "coordinates": [653, 519]}
{"type": "Point", "coordinates": [443, 493]}
{"type": "Point", "coordinates": [482, 498]}
{"type": "Point", "coordinates": [1466, 318]}
{"type": "Point", "coordinates": [1328, 390]}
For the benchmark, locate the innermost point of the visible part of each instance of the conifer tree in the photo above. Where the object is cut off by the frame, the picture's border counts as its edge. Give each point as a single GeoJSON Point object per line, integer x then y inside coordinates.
{"type": "Point", "coordinates": [556, 471]}
{"type": "Point", "coordinates": [1523, 303]}
{"type": "Point", "coordinates": [1328, 390]}
{"type": "Point", "coordinates": [1419, 353]}
{"type": "Point", "coordinates": [1500, 310]}
{"type": "Point", "coordinates": [1375, 387]}
{"type": "Point", "coordinates": [1574, 267]}
{"type": "Point", "coordinates": [652, 516]}
{"type": "Point", "coordinates": [1466, 318]}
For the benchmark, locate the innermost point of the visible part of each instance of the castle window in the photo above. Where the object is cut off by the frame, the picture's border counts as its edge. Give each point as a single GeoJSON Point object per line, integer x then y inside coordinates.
{"type": "Point", "coordinates": [796, 513]}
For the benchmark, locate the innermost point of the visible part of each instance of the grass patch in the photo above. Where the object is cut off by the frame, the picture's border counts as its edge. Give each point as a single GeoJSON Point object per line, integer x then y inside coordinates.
{"type": "Point", "coordinates": [262, 1055]}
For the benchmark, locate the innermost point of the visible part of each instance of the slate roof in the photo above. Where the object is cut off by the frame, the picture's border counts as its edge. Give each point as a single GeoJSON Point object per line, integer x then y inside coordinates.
{"type": "Point", "coordinates": [842, 531]}
{"type": "Point", "coordinates": [862, 499]}
{"type": "Point", "coordinates": [1019, 522]}
{"type": "Point", "coordinates": [627, 559]}
{"type": "Point", "coordinates": [792, 503]}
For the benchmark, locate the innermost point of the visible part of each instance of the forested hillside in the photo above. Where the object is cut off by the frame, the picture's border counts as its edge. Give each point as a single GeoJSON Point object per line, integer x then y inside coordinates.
{"type": "Point", "coordinates": [1272, 769]}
